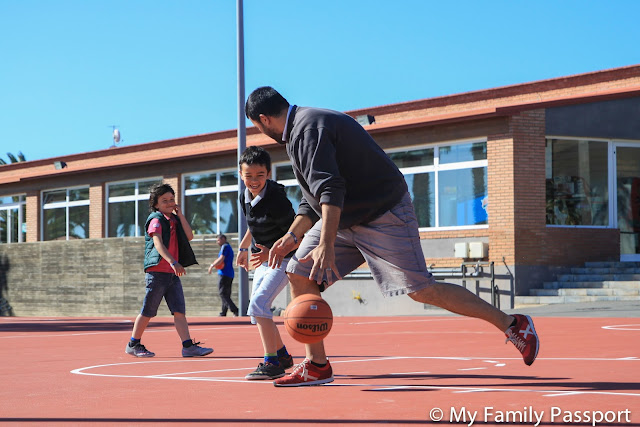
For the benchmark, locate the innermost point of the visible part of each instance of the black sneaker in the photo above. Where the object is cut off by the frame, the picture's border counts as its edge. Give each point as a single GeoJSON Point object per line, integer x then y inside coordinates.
{"type": "Point", "coordinates": [266, 371]}
{"type": "Point", "coordinates": [286, 361]}
{"type": "Point", "coordinates": [138, 350]}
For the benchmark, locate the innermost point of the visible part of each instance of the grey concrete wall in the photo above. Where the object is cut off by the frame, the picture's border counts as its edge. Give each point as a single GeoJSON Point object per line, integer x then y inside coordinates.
{"type": "Point", "coordinates": [96, 277]}
{"type": "Point", "coordinates": [104, 277]}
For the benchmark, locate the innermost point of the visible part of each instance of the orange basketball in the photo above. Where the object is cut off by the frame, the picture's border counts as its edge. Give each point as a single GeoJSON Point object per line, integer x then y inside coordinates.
{"type": "Point", "coordinates": [308, 319]}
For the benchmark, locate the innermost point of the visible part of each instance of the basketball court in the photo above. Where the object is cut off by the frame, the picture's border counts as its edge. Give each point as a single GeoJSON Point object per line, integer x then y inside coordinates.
{"type": "Point", "coordinates": [439, 369]}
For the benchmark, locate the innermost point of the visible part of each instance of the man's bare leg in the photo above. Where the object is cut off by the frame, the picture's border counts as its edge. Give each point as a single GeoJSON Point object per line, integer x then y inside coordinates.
{"type": "Point", "coordinates": [459, 300]}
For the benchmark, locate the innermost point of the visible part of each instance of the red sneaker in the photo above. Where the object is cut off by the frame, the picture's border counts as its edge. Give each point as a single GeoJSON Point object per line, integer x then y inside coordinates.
{"type": "Point", "coordinates": [305, 374]}
{"type": "Point", "coordinates": [523, 336]}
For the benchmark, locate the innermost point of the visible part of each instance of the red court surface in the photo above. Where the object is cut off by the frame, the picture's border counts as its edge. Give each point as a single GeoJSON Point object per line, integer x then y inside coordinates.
{"type": "Point", "coordinates": [388, 370]}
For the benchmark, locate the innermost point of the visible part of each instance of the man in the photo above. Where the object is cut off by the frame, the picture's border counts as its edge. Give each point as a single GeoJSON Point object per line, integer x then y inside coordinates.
{"type": "Point", "coordinates": [356, 208]}
{"type": "Point", "coordinates": [224, 264]}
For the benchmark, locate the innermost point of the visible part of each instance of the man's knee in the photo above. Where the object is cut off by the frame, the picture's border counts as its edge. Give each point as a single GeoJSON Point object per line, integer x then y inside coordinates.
{"type": "Point", "coordinates": [425, 295]}
{"type": "Point", "coordinates": [301, 285]}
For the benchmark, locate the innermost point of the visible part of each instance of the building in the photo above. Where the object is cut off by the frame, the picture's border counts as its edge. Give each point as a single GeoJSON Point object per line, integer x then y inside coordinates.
{"type": "Point", "coordinates": [524, 180]}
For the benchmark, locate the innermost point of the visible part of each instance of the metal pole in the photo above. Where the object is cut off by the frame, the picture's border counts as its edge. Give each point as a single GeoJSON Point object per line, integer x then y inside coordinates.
{"type": "Point", "coordinates": [243, 278]}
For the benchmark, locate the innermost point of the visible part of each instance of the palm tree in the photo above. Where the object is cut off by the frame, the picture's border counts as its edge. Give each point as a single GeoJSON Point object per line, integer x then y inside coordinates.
{"type": "Point", "coordinates": [13, 159]}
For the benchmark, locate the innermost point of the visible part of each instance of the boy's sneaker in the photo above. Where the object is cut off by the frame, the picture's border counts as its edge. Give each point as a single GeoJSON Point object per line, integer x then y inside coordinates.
{"type": "Point", "coordinates": [195, 350]}
{"type": "Point", "coordinates": [523, 336]}
{"type": "Point", "coordinates": [286, 361]}
{"type": "Point", "coordinates": [266, 371]}
{"type": "Point", "coordinates": [138, 350]}
{"type": "Point", "coordinates": [305, 374]}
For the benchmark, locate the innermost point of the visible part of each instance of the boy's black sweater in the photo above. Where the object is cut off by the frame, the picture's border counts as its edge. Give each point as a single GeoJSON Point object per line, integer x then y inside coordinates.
{"type": "Point", "coordinates": [270, 218]}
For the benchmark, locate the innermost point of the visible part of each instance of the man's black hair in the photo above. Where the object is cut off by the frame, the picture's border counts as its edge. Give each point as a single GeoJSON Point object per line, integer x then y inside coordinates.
{"type": "Point", "coordinates": [265, 100]}
{"type": "Point", "coordinates": [255, 155]}
{"type": "Point", "coordinates": [155, 192]}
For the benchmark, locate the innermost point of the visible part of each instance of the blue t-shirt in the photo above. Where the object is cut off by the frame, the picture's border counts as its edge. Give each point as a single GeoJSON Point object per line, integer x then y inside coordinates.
{"type": "Point", "coordinates": [228, 269]}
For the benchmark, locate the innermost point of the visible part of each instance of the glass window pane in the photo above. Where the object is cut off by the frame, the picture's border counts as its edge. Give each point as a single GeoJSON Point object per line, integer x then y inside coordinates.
{"type": "Point", "coordinates": [408, 159]}
{"type": "Point", "coordinates": [55, 224]}
{"type": "Point", "coordinates": [200, 181]}
{"type": "Point", "coordinates": [78, 194]}
{"type": "Point", "coordinates": [144, 187]}
{"type": "Point", "coordinates": [463, 152]}
{"type": "Point", "coordinates": [54, 196]}
{"type": "Point", "coordinates": [229, 178]}
{"type": "Point", "coordinates": [229, 212]}
{"type": "Point", "coordinates": [122, 219]}
{"type": "Point", "coordinates": [201, 212]}
{"type": "Point", "coordinates": [143, 214]}
{"type": "Point", "coordinates": [14, 224]}
{"type": "Point", "coordinates": [576, 182]}
{"type": "Point", "coordinates": [422, 188]}
{"type": "Point", "coordinates": [462, 197]}
{"type": "Point", "coordinates": [4, 226]}
{"type": "Point", "coordinates": [79, 222]}
{"type": "Point", "coordinates": [11, 199]}
{"type": "Point", "coordinates": [284, 172]}
{"type": "Point", "coordinates": [119, 190]}
{"type": "Point", "coordinates": [294, 194]}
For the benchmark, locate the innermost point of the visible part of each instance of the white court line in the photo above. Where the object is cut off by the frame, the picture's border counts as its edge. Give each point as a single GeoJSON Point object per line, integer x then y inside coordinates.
{"type": "Point", "coordinates": [407, 321]}
{"type": "Point", "coordinates": [636, 327]}
{"type": "Point", "coordinates": [372, 387]}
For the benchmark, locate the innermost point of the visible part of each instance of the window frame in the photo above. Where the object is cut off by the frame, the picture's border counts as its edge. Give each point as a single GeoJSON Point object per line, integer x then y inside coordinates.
{"type": "Point", "coordinates": [21, 206]}
{"type": "Point", "coordinates": [136, 197]}
{"type": "Point", "coordinates": [438, 167]}
{"type": "Point", "coordinates": [217, 190]}
{"type": "Point", "coordinates": [66, 205]}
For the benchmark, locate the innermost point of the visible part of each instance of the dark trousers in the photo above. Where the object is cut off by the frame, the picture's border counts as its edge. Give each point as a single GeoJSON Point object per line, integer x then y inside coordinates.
{"type": "Point", "coordinates": [224, 288]}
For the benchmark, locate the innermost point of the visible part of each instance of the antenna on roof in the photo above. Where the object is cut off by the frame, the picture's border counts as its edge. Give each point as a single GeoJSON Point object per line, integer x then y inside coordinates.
{"type": "Point", "coordinates": [116, 135]}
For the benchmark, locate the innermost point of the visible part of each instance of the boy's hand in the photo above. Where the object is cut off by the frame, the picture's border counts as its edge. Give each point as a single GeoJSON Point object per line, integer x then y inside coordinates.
{"type": "Point", "coordinates": [179, 269]}
{"type": "Point", "coordinates": [176, 209]}
{"type": "Point", "coordinates": [260, 257]}
{"type": "Point", "coordinates": [242, 260]}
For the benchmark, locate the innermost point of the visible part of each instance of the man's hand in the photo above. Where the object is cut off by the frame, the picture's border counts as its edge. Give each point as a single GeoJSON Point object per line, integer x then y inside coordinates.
{"type": "Point", "coordinates": [280, 248]}
{"type": "Point", "coordinates": [324, 263]}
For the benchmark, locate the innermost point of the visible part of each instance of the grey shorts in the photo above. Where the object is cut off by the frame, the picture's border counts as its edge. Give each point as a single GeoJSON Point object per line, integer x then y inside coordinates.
{"type": "Point", "coordinates": [390, 245]}
{"type": "Point", "coordinates": [162, 285]}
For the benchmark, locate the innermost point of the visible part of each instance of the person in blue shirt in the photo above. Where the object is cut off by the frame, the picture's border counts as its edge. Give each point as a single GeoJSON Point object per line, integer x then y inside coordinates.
{"type": "Point", "coordinates": [224, 264]}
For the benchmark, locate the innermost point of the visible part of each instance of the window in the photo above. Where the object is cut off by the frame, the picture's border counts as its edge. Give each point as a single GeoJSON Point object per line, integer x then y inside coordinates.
{"type": "Point", "coordinates": [65, 214]}
{"type": "Point", "coordinates": [211, 202]}
{"type": "Point", "coordinates": [447, 183]}
{"type": "Point", "coordinates": [577, 187]}
{"type": "Point", "coordinates": [128, 207]}
{"type": "Point", "coordinates": [12, 219]}
{"type": "Point", "coordinates": [284, 175]}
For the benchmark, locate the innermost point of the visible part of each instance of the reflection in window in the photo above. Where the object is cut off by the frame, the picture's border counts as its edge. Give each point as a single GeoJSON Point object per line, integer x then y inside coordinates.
{"type": "Point", "coordinates": [211, 202]}
{"type": "Point", "coordinates": [463, 197]}
{"type": "Point", "coordinates": [285, 176]}
{"type": "Point", "coordinates": [460, 171]}
{"type": "Point", "coordinates": [12, 219]}
{"type": "Point", "coordinates": [577, 191]}
{"type": "Point", "coordinates": [65, 214]}
{"type": "Point", "coordinates": [128, 207]}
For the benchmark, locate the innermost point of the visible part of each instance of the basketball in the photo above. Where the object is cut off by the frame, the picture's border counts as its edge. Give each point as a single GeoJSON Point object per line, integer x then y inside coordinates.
{"type": "Point", "coordinates": [308, 319]}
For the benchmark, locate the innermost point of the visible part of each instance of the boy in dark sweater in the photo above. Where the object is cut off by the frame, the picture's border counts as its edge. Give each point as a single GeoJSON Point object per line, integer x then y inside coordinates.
{"type": "Point", "coordinates": [269, 214]}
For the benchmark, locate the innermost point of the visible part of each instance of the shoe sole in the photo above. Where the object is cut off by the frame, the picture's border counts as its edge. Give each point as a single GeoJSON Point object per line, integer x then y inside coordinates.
{"type": "Point", "coordinates": [306, 383]}
{"type": "Point", "coordinates": [197, 355]}
{"type": "Point", "coordinates": [264, 377]}
{"type": "Point", "coordinates": [140, 355]}
{"type": "Point", "coordinates": [533, 328]}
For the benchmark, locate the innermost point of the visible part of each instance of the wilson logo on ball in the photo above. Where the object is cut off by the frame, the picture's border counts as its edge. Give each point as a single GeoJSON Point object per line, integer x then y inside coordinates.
{"type": "Point", "coordinates": [321, 327]}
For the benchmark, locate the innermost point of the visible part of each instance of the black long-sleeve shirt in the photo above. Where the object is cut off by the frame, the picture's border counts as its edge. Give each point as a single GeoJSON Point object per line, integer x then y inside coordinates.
{"type": "Point", "coordinates": [337, 162]}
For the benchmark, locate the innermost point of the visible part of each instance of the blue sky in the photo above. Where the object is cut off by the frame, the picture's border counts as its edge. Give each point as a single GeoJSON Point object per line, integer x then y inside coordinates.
{"type": "Point", "coordinates": [167, 69]}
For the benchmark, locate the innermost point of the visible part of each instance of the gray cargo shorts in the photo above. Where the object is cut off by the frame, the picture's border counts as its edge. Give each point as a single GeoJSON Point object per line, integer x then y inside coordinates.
{"type": "Point", "coordinates": [390, 245]}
